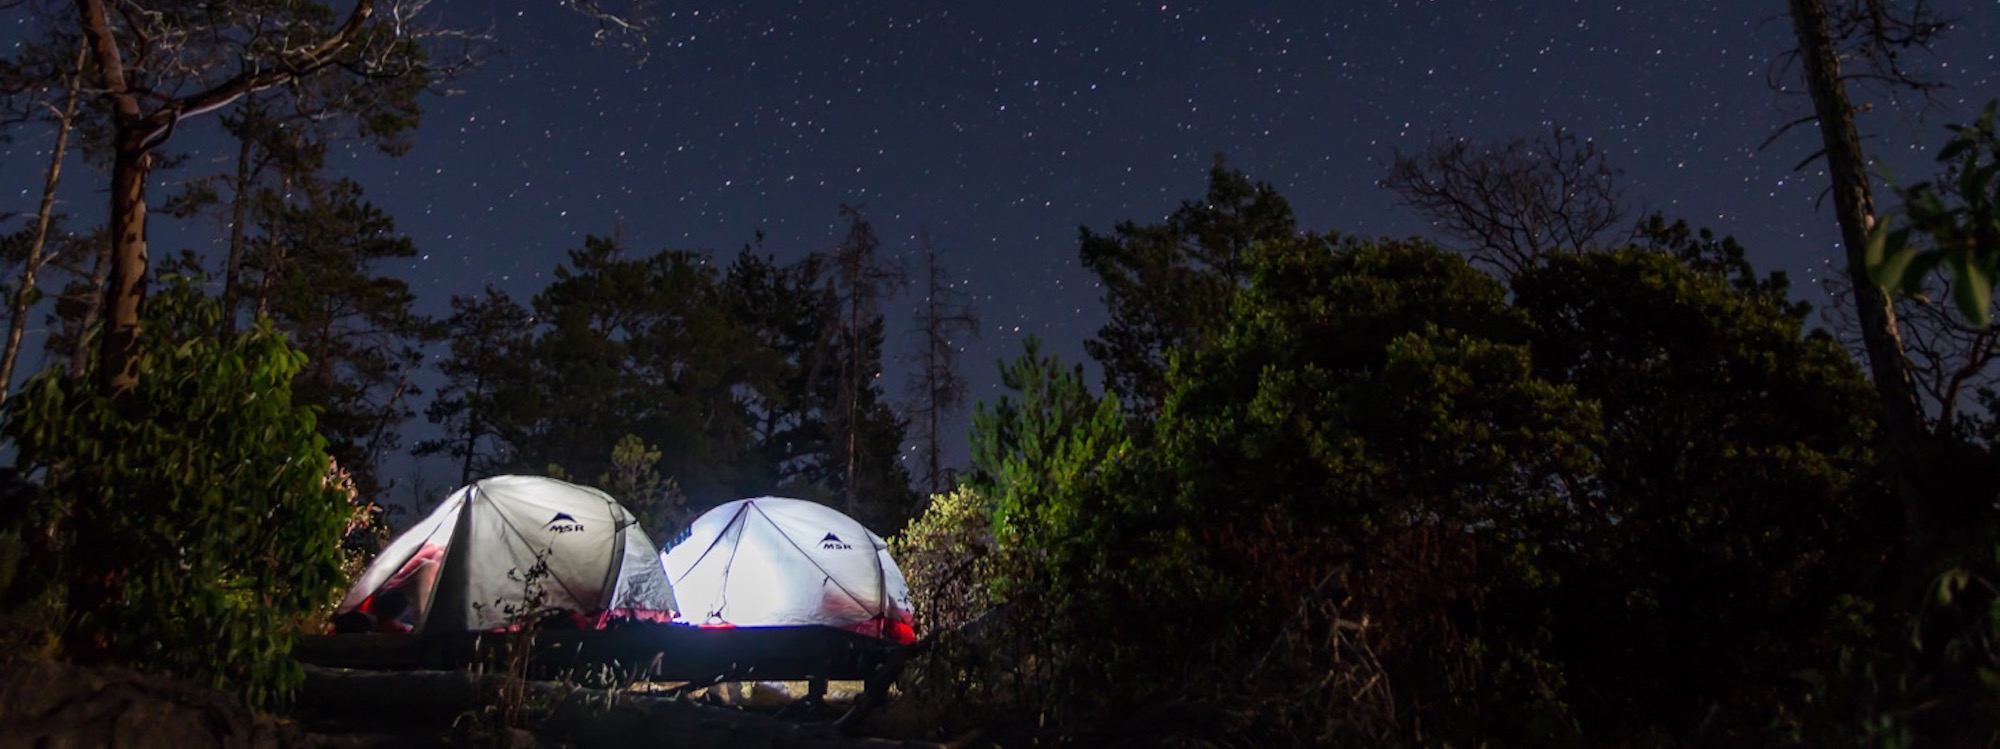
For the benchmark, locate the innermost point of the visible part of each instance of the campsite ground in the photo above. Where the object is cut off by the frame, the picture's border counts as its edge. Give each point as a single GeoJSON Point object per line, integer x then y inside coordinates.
{"type": "Point", "coordinates": [416, 708]}
{"type": "Point", "coordinates": [45, 703]}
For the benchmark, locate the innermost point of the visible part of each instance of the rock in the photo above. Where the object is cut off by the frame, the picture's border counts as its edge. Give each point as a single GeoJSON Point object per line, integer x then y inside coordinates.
{"type": "Point", "coordinates": [48, 704]}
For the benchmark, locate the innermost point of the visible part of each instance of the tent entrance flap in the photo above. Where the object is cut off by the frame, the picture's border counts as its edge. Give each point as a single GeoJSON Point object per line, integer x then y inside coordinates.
{"type": "Point", "coordinates": [447, 610]}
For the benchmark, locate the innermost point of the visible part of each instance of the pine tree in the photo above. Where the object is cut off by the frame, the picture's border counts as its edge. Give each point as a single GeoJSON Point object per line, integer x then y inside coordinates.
{"type": "Point", "coordinates": [641, 346]}
{"type": "Point", "coordinates": [84, 263]}
{"type": "Point", "coordinates": [354, 323]}
{"type": "Point", "coordinates": [859, 282]}
{"type": "Point", "coordinates": [790, 313]}
{"type": "Point", "coordinates": [489, 336]}
{"type": "Point", "coordinates": [1171, 284]}
{"type": "Point", "coordinates": [217, 54]}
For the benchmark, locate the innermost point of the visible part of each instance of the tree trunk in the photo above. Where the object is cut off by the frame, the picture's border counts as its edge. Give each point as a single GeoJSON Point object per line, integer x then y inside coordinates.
{"type": "Point", "coordinates": [238, 210]}
{"type": "Point", "coordinates": [933, 365]}
{"type": "Point", "coordinates": [853, 424]}
{"type": "Point", "coordinates": [118, 348]}
{"type": "Point", "coordinates": [100, 271]}
{"type": "Point", "coordinates": [274, 260]}
{"type": "Point", "coordinates": [472, 421]}
{"type": "Point", "coordinates": [117, 370]}
{"type": "Point", "coordinates": [1902, 415]}
{"type": "Point", "coordinates": [17, 321]}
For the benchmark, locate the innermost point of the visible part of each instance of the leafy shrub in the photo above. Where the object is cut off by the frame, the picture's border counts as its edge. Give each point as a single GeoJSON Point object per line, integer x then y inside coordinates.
{"type": "Point", "coordinates": [946, 557]}
{"type": "Point", "coordinates": [635, 481]}
{"type": "Point", "coordinates": [193, 517]}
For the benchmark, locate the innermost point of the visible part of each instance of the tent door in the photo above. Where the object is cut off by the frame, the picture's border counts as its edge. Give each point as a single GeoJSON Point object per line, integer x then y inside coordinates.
{"type": "Point", "coordinates": [447, 610]}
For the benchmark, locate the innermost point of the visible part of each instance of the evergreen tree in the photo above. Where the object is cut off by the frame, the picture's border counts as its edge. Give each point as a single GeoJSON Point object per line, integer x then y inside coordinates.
{"type": "Point", "coordinates": [84, 264]}
{"type": "Point", "coordinates": [861, 419]}
{"type": "Point", "coordinates": [874, 436]}
{"type": "Point", "coordinates": [798, 408]}
{"type": "Point", "coordinates": [489, 337]}
{"type": "Point", "coordinates": [180, 60]}
{"type": "Point", "coordinates": [274, 151]}
{"type": "Point", "coordinates": [1170, 285]}
{"type": "Point", "coordinates": [635, 481]}
{"type": "Point", "coordinates": [355, 324]}
{"type": "Point", "coordinates": [791, 313]}
{"type": "Point", "coordinates": [639, 346]}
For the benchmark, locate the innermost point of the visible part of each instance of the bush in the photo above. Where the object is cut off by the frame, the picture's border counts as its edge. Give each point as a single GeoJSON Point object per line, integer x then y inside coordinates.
{"type": "Point", "coordinates": [193, 517]}
{"type": "Point", "coordinates": [635, 481]}
{"type": "Point", "coordinates": [946, 557]}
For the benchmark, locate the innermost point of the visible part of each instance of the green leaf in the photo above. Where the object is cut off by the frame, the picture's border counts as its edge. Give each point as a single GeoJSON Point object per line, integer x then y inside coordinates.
{"type": "Point", "coordinates": [1972, 288]}
{"type": "Point", "coordinates": [1919, 269]}
{"type": "Point", "coordinates": [1878, 239]}
{"type": "Point", "coordinates": [1892, 256]}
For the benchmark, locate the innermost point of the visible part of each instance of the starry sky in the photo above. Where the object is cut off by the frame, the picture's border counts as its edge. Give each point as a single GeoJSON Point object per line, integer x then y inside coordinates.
{"type": "Point", "coordinates": [1002, 127]}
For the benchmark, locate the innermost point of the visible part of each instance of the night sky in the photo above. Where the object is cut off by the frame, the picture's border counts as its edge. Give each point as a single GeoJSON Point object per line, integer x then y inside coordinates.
{"type": "Point", "coordinates": [1002, 127]}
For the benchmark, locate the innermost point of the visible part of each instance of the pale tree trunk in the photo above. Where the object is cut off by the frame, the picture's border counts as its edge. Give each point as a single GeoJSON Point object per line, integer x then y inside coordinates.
{"type": "Point", "coordinates": [136, 131]}
{"type": "Point", "coordinates": [1902, 415]}
{"type": "Point", "coordinates": [97, 574]}
{"type": "Point", "coordinates": [118, 339]}
{"type": "Point", "coordinates": [17, 321]}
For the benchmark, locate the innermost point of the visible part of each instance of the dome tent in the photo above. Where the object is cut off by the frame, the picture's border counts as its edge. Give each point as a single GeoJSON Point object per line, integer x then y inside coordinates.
{"type": "Point", "coordinates": [776, 562]}
{"type": "Point", "coordinates": [462, 567]}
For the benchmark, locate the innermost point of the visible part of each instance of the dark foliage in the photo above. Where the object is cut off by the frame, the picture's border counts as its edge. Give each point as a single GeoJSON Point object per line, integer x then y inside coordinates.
{"type": "Point", "coordinates": [732, 378]}
{"type": "Point", "coordinates": [1628, 500]}
{"type": "Point", "coordinates": [1169, 285]}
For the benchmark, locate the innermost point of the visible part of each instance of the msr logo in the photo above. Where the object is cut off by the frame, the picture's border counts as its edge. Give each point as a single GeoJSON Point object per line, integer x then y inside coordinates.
{"type": "Point", "coordinates": [833, 543]}
{"type": "Point", "coordinates": [563, 523]}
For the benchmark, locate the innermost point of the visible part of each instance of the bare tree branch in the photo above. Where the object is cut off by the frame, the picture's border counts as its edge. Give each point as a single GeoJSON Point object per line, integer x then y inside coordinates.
{"type": "Point", "coordinates": [1517, 201]}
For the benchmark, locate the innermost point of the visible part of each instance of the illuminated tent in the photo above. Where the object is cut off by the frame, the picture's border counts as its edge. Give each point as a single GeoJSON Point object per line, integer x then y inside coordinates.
{"type": "Point", "coordinates": [468, 566]}
{"type": "Point", "coordinates": [775, 562]}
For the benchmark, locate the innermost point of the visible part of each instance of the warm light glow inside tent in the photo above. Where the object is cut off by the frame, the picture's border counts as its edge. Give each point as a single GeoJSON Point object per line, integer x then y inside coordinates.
{"type": "Point", "coordinates": [776, 562]}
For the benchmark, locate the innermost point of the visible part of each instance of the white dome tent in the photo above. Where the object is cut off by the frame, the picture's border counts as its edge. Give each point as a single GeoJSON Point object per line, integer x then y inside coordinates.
{"type": "Point", "coordinates": [460, 568]}
{"type": "Point", "coordinates": [776, 562]}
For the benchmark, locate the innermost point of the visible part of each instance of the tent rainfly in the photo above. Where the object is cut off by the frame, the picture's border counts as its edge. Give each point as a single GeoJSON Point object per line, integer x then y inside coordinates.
{"type": "Point", "coordinates": [775, 562]}
{"type": "Point", "coordinates": [467, 566]}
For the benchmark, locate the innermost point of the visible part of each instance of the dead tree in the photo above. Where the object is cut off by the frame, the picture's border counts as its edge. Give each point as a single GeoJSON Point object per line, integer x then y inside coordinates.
{"type": "Point", "coordinates": [937, 387]}
{"type": "Point", "coordinates": [1516, 202]}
